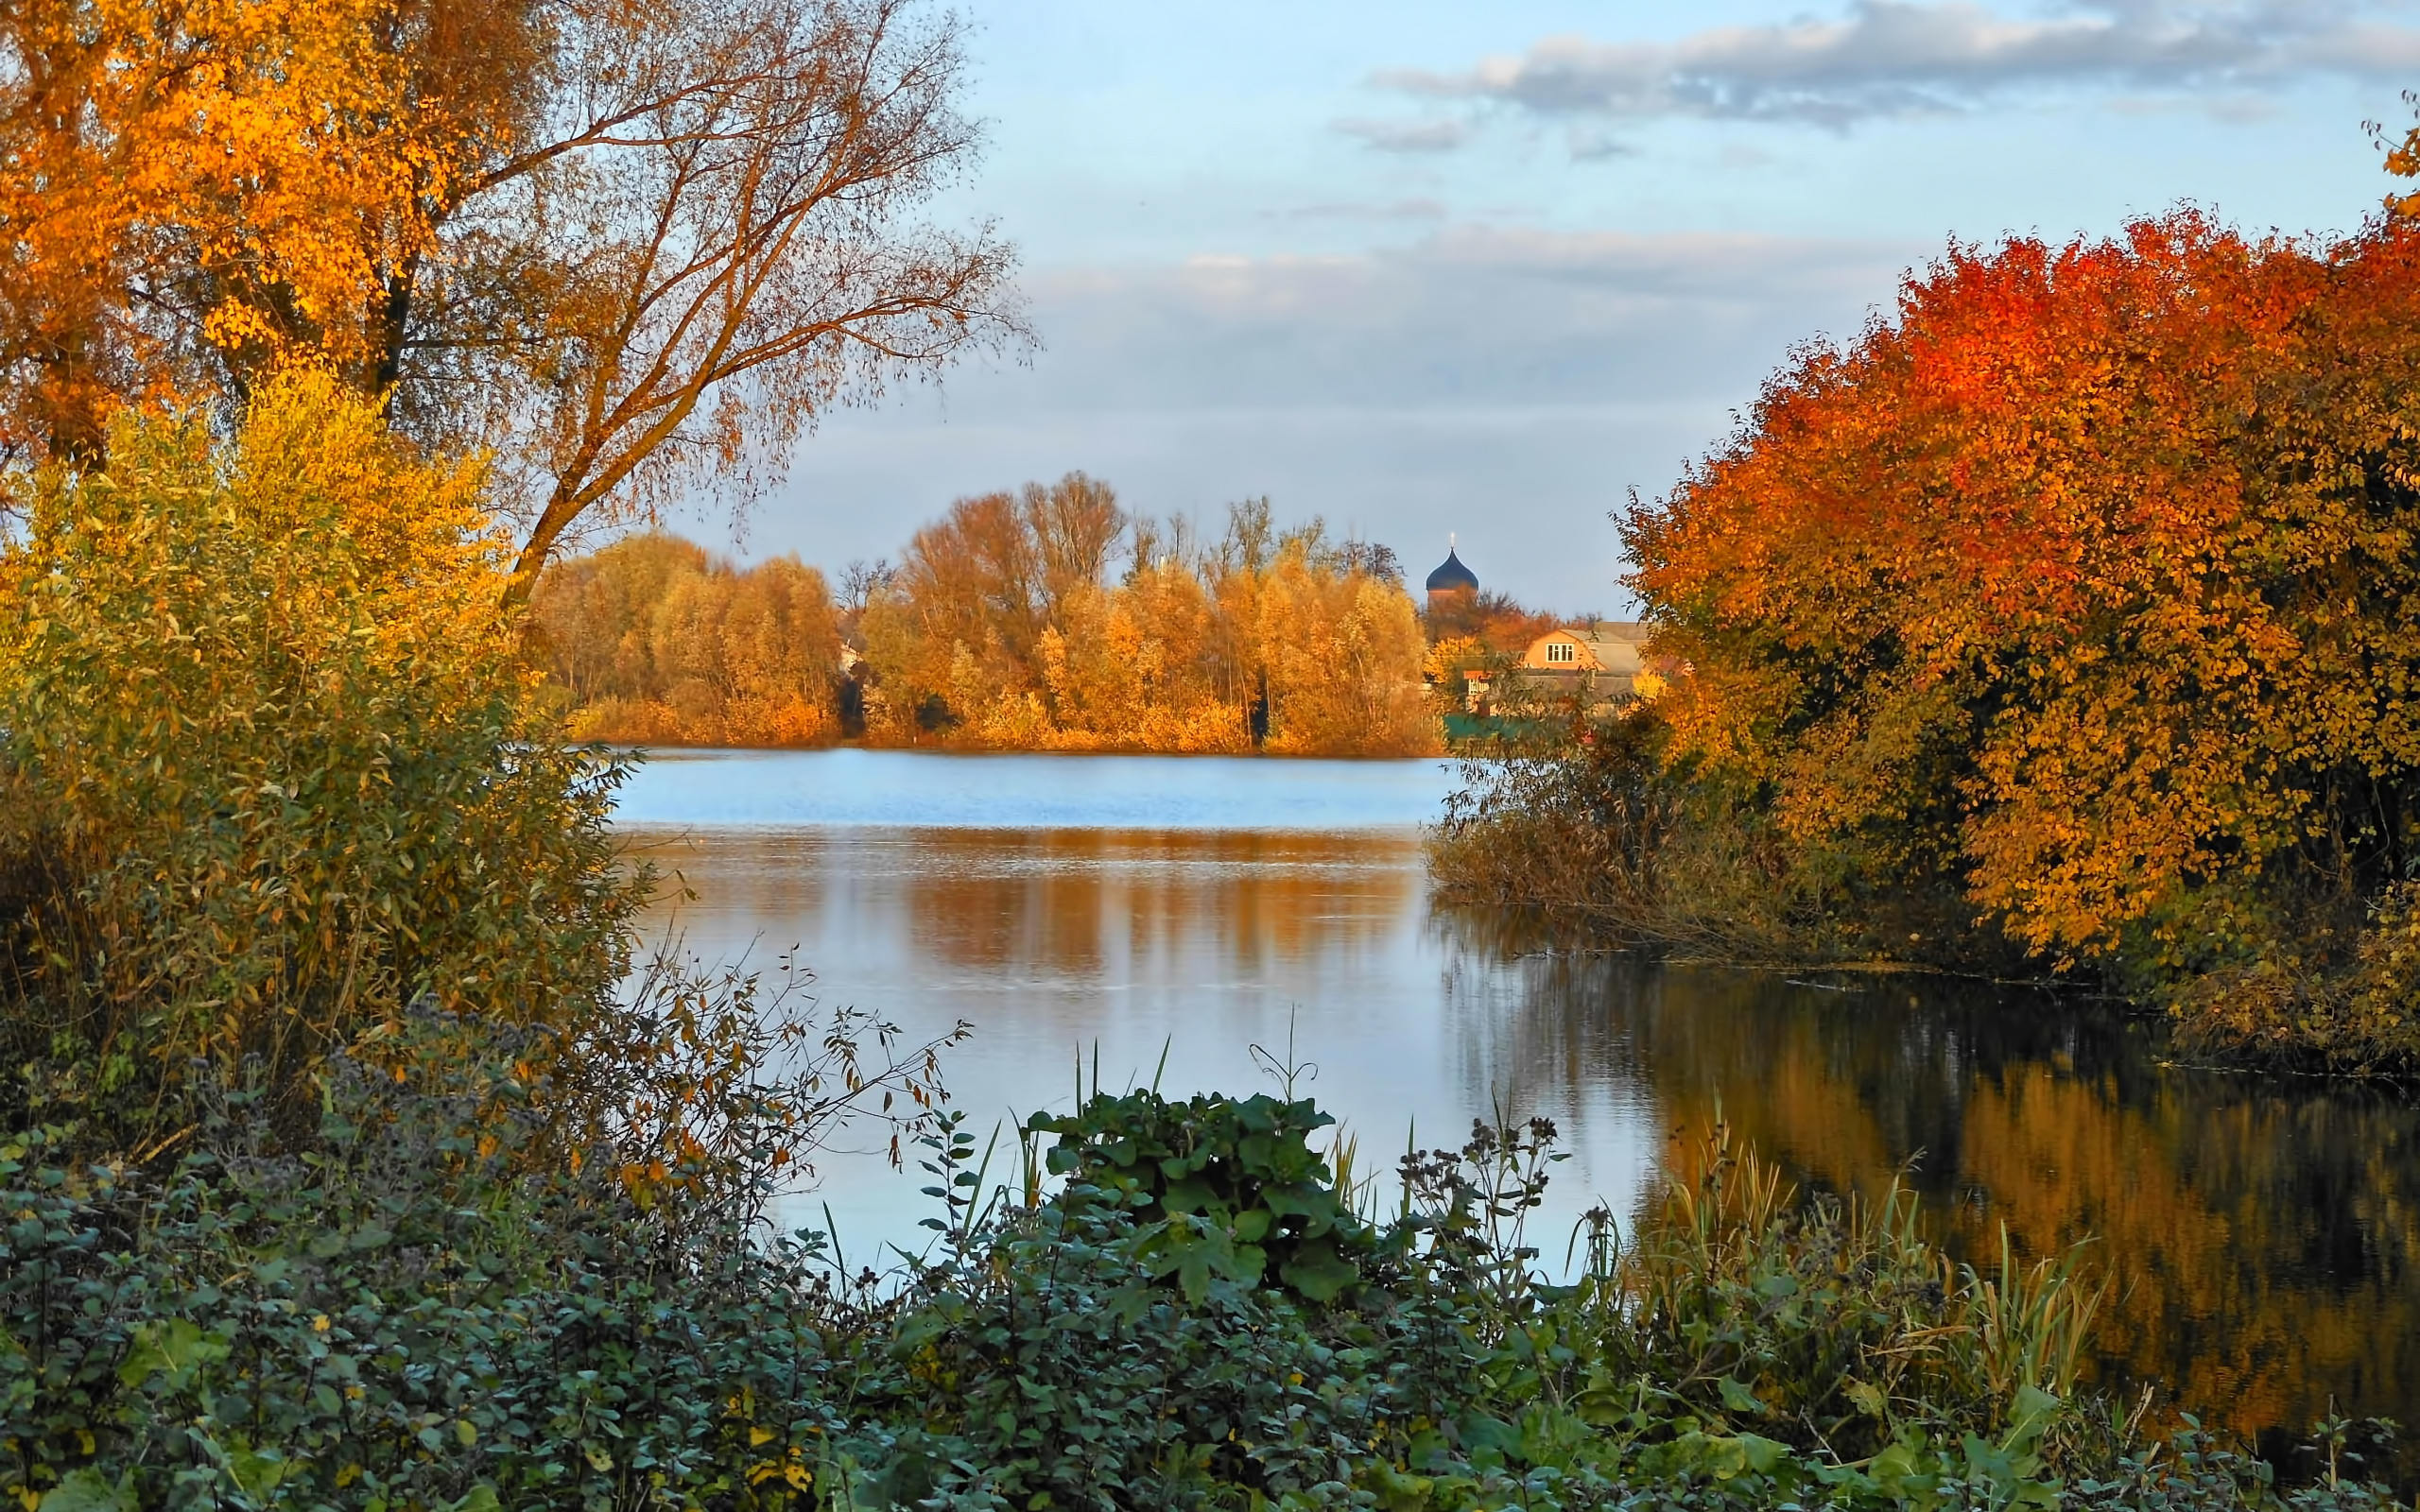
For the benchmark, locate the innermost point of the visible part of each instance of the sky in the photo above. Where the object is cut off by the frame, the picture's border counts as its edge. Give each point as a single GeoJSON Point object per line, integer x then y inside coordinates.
{"type": "Point", "coordinates": [1483, 269]}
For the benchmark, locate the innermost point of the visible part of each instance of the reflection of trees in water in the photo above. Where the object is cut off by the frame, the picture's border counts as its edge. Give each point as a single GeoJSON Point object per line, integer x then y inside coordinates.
{"type": "Point", "coordinates": [2265, 1236]}
{"type": "Point", "coordinates": [1062, 903]}
{"type": "Point", "coordinates": [1058, 899]}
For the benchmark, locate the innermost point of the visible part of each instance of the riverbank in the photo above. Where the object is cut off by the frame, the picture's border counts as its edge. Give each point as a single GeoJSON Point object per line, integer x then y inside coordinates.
{"type": "Point", "coordinates": [1599, 824]}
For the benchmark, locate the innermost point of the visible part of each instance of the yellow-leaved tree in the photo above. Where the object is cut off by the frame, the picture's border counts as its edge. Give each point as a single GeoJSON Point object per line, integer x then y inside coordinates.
{"type": "Point", "coordinates": [1003, 628]}
{"type": "Point", "coordinates": [654, 641]}
{"type": "Point", "coordinates": [273, 779]}
{"type": "Point", "coordinates": [629, 250]}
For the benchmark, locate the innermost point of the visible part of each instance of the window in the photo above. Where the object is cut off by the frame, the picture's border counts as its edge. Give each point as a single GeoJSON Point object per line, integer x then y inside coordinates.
{"type": "Point", "coordinates": [1561, 651]}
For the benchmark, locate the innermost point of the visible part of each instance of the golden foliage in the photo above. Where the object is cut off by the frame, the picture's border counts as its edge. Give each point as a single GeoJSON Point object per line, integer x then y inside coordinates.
{"type": "Point", "coordinates": [233, 176]}
{"type": "Point", "coordinates": [1343, 653]}
{"type": "Point", "coordinates": [626, 250]}
{"type": "Point", "coordinates": [655, 643]}
{"type": "Point", "coordinates": [272, 764]}
{"type": "Point", "coordinates": [1002, 629]}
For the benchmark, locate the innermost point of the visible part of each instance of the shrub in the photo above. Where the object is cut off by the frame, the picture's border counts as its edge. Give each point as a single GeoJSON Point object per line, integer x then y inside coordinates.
{"type": "Point", "coordinates": [273, 772]}
{"type": "Point", "coordinates": [404, 1321]}
{"type": "Point", "coordinates": [1571, 819]}
{"type": "Point", "coordinates": [1222, 1188]}
{"type": "Point", "coordinates": [1832, 1325]}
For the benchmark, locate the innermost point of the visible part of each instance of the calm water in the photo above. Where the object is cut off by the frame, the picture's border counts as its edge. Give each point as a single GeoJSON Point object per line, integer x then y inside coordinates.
{"type": "Point", "coordinates": [2261, 1237]}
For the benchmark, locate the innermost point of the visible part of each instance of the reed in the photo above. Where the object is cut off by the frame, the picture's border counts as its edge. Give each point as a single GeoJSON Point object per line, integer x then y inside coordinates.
{"type": "Point", "coordinates": [1829, 1322]}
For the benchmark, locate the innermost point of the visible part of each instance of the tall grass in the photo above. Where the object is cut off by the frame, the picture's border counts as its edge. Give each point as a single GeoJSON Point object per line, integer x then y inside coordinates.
{"type": "Point", "coordinates": [1828, 1322]}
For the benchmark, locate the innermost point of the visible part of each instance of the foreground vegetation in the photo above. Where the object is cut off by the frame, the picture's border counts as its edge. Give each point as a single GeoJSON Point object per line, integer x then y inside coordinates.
{"type": "Point", "coordinates": [2061, 623]}
{"type": "Point", "coordinates": [1042, 620]}
{"type": "Point", "coordinates": [415, 1315]}
{"type": "Point", "coordinates": [347, 1163]}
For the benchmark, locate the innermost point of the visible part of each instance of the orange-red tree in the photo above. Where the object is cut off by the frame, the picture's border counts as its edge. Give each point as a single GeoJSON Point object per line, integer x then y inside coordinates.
{"type": "Point", "coordinates": [2086, 582]}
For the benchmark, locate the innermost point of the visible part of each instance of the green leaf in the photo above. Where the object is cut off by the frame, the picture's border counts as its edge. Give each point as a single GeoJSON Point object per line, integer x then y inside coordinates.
{"type": "Point", "coordinates": [2035, 1408]}
{"type": "Point", "coordinates": [1318, 1272]}
{"type": "Point", "coordinates": [259, 1472]}
{"type": "Point", "coordinates": [1479, 1431]}
{"type": "Point", "coordinates": [171, 1348]}
{"type": "Point", "coordinates": [1764, 1455]}
{"type": "Point", "coordinates": [85, 1491]}
{"type": "Point", "coordinates": [1737, 1397]}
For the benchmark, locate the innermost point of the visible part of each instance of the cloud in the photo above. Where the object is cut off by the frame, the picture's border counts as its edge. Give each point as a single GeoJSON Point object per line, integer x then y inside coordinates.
{"type": "Point", "coordinates": [1421, 209]}
{"type": "Point", "coordinates": [1467, 314]}
{"type": "Point", "coordinates": [1408, 136]}
{"type": "Point", "coordinates": [1887, 57]}
{"type": "Point", "coordinates": [1507, 381]}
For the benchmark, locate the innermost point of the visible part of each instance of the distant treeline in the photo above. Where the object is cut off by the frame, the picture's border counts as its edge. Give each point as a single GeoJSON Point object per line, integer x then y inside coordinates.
{"type": "Point", "coordinates": [652, 640]}
{"type": "Point", "coordinates": [1046, 619]}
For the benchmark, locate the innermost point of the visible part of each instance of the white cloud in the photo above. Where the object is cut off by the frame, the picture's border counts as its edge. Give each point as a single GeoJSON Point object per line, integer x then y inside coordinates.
{"type": "Point", "coordinates": [1408, 136]}
{"type": "Point", "coordinates": [1505, 382]}
{"type": "Point", "coordinates": [1467, 314]}
{"type": "Point", "coordinates": [1417, 209]}
{"type": "Point", "coordinates": [1885, 58]}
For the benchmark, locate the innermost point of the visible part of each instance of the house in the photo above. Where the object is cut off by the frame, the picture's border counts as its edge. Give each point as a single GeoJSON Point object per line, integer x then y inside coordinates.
{"type": "Point", "coordinates": [1604, 659]}
{"type": "Point", "coordinates": [1612, 648]}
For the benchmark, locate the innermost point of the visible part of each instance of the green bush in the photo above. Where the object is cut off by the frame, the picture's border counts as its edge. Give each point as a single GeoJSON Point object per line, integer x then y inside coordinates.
{"type": "Point", "coordinates": [1222, 1188]}
{"type": "Point", "coordinates": [401, 1321]}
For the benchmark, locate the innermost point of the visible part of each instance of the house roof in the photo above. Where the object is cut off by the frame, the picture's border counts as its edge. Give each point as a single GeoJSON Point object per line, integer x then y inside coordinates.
{"type": "Point", "coordinates": [1451, 575]}
{"type": "Point", "coordinates": [1610, 646]}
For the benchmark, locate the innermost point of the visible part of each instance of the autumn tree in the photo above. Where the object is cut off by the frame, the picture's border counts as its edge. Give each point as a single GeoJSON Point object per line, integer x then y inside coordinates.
{"type": "Point", "coordinates": [2084, 584]}
{"type": "Point", "coordinates": [631, 251]}
{"type": "Point", "coordinates": [1004, 627]}
{"type": "Point", "coordinates": [1343, 651]}
{"type": "Point", "coordinates": [1490, 618]}
{"type": "Point", "coordinates": [653, 641]}
{"type": "Point", "coordinates": [150, 155]}
{"type": "Point", "coordinates": [977, 589]}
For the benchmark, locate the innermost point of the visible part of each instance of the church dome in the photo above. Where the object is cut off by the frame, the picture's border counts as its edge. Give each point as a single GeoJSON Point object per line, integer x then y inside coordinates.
{"type": "Point", "coordinates": [1452, 576]}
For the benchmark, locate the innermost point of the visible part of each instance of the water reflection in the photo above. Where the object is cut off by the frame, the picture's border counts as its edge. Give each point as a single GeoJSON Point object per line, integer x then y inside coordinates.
{"type": "Point", "coordinates": [2261, 1236]}
{"type": "Point", "coordinates": [1126, 945]}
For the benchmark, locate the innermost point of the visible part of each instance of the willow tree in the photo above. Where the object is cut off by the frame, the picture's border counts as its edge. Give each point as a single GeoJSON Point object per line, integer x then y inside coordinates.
{"type": "Point", "coordinates": [633, 251]}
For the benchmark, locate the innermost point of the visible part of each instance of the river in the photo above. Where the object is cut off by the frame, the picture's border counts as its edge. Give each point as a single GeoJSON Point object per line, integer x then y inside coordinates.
{"type": "Point", "coordinates": [1190, 919]}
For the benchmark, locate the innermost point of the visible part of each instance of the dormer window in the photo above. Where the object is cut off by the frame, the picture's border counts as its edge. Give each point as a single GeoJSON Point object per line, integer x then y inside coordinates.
{"type": "Point", "coordinates": [1561, 651]}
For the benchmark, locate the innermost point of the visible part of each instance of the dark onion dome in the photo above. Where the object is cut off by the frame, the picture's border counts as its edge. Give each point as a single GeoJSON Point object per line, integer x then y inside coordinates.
{"type": "Point", "coordinates": [1453, 576]}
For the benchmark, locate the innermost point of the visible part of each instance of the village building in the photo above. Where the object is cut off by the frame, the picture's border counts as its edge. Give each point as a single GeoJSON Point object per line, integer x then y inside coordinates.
{"type": "Point", "coordinates": [1603, 660]}
{"type": "Point", "coordinates": [1610, 653]}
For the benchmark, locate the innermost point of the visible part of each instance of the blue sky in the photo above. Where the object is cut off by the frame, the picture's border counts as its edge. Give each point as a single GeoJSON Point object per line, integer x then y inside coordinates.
{"type": "Point", "coordinates": [1483, 268]}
